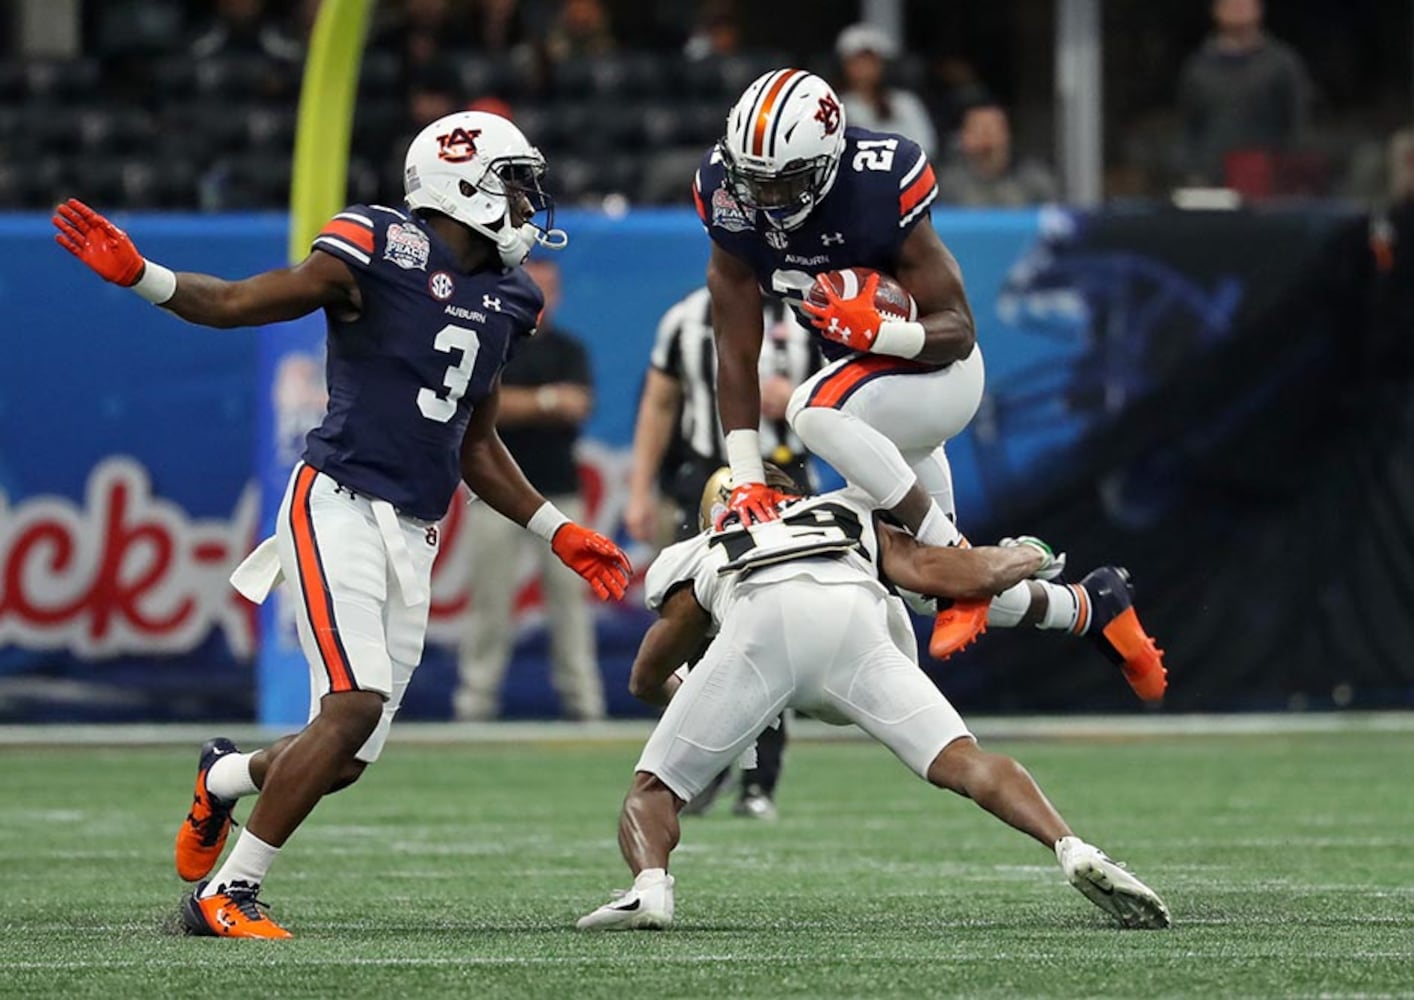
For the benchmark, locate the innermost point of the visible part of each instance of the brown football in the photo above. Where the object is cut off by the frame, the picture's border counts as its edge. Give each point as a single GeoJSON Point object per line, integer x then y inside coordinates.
{"type": "Point", "coordinates": [890, 298]}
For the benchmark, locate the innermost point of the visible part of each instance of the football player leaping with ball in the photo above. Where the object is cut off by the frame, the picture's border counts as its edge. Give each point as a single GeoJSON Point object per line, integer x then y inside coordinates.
{"type": "Point", "coordinates": [791, 195]}
{"type": "Point", "coordinates": [422, 306]}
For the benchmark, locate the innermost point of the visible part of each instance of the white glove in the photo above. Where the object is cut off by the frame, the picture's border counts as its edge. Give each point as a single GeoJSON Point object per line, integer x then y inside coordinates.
{"type": "Point", "coordinates": [1054, 565]}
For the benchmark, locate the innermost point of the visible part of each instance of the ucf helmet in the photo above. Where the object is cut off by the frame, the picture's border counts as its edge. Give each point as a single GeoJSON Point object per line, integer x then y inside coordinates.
{"type": "Point", "coordinates": [475, 167]}
{"type": "Point", "coordinates": [782, 150]}
{"type": "Point", "coordinates": [714, 497]}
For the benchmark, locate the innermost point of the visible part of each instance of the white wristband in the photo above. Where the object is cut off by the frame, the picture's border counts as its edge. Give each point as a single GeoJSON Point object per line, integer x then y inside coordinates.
{"type": "Point", "coordinates": [157, 283]}
{"type": "Point", "coordinates": [546, 521]}
{"type": "Point", "coordinates": [744, 456]}
{"type": "Point", "coordinates": [901, 338]}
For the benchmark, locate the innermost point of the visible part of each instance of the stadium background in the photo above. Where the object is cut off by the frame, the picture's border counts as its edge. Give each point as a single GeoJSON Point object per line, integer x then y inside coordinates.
{"type": "Point", "coordinates": [1218, 398]}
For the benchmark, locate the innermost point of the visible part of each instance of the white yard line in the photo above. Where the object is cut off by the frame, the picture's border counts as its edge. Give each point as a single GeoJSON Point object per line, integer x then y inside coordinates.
{"type": "Point", "coordinates": [1082, 727]}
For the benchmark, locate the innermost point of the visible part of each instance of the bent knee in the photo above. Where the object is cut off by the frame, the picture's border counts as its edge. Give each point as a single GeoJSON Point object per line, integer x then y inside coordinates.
{"type": "Point", "coordinates": [351, 772]}
{"type": "Point", "coordinates": [954, 764]}
{"type": "Point", "coordinates": [355, 714]}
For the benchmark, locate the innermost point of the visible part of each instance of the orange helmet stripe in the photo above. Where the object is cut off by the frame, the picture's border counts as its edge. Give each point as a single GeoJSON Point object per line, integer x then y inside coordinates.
{"type": "Point", "coordinates": [763, 117]}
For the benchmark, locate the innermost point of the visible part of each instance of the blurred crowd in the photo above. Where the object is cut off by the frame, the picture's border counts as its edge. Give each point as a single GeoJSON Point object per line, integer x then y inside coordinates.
{"type": "Point", "coordinates": [192, 104]}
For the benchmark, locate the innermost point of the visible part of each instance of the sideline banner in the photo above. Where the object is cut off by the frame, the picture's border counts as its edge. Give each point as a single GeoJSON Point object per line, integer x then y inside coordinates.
{"type": "Point", "coordinates": [140, 457]}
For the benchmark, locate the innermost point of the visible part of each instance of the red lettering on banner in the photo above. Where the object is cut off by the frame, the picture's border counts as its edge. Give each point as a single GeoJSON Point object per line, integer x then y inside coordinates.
{"type": "Point", "coordinates": [126, 572]}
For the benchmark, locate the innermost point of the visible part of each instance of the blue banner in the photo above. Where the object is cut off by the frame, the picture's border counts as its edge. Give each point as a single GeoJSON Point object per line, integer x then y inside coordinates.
{"type": "Point", "coordinates": [141, 457]}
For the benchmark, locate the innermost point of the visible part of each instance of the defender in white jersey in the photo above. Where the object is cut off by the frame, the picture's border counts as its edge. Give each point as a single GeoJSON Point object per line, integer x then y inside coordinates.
{"type": "Point", "coordinates": [804, 619]}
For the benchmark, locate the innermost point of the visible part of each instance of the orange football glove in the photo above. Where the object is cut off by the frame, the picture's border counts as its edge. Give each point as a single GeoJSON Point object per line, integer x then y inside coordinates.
{"type": "Point", "coordinates": [853, 322]}
{"type": "Point", "coordinates": [593, 557]}
{"type": "Point", "coordinates": [98, 243]}
{"type": "Point", "coordinates": [753, 503]}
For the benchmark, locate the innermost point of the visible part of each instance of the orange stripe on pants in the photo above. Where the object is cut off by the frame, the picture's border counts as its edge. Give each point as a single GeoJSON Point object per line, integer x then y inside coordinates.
{"type": "Point", "coordinates": [836, 388]}
{"type": "Point", "coordinates": [318, 602]}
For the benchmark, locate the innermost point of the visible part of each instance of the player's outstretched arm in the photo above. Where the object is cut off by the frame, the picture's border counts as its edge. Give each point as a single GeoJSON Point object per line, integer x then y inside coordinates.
{"type": "Point", "coordinates": [930, 273]}
{"type": "Point", "coordinates": [669, 642]}
{"type": "Point", "coordinates": [272, 297]}
{"type": "Point", "coordinates": [962, 574]}
{"type": "Point", "coordinates": [739, 328]}
{"type": "Point", "coordinates": [493, 475]}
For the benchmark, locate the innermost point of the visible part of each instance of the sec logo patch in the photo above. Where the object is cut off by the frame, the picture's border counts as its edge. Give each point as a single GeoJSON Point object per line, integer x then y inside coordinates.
{"type": "Point", "coordinates": [441, 285]}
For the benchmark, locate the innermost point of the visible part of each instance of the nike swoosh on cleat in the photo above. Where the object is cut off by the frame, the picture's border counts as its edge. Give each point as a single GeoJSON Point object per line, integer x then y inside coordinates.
{"type": "Point", "coordinates": [627, 907]}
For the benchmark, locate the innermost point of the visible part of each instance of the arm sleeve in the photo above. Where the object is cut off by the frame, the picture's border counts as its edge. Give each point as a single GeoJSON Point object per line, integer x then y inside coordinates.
{"type": "Point", "coordinates": [917, 187]}
{"type": "Point", "coordinates": [675, 565]}
{"type": "Point", "coordinates": [350, 236]}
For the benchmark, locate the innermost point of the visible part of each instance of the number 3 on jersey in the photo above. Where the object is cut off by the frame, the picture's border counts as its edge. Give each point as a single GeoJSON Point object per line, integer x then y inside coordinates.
{"type": "Point", "coordinates": [457, 377]}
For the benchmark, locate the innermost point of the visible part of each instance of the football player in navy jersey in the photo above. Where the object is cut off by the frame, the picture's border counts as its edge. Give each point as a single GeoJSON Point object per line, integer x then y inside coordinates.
{"type": "Point", "coordinates": [791, 192]}
{"type": "Point", "coordinates": [422, 308]}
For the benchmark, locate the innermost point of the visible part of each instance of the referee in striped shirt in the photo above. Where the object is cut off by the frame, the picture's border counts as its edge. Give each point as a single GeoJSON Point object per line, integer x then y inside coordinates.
{"type": "Point", "coordinates": [678, 440]}
{"type": "Point", "coordinates": [678, 444]}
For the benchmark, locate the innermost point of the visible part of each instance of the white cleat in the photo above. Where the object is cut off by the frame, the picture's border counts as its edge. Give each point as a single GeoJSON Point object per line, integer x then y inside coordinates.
{"type": "Point", "coordinates": [648, 906]}
{"type": "Point", "coordinates": [755, 806]}
{"type": "Point", "coordinates": [1110, 886]}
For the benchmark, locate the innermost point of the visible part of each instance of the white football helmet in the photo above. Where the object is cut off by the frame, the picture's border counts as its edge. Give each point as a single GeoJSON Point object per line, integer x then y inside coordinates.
{"type": "Point", "coordinates": [782, 150]}
{"type": "Point", "coordinates": [480, 169]}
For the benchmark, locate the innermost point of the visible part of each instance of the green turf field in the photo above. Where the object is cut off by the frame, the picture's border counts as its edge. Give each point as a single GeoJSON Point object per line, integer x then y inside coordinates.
{"type": "Point", "coordinates": [1288, 863]}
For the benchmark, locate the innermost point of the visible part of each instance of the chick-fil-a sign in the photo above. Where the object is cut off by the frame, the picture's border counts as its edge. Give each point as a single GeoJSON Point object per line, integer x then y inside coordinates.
{"type": "Point", "coordinates": [122, 571]}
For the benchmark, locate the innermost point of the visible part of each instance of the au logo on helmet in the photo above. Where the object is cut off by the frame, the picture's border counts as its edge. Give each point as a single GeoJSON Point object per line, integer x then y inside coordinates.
{"type": "Point", "coordinates": [458, 145]}
{"type": "Point", "coordinates": [829, 114]}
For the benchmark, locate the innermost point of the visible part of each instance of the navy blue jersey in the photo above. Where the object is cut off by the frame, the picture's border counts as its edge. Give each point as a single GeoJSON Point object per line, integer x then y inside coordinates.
{"type": "Point", "coordinates": [883, 188]}
{"type": "Point", "coordinates": [405, 375]}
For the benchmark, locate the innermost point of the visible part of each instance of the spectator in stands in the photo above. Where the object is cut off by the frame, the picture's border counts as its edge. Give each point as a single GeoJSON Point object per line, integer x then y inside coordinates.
{"type": "Point", "coordinates": [1242, 90]}
{"type": "Point", "coordinates": [421, 31]}
{"type": "Point", "coordinates": [716, 33]}
{"type": "Point", "coordinates": [985, 171]}
{"type": "Point", "coordinates": [580, 29]}
{"type": "Point", "coordinates": [497, 25]}
{"type": "Point", "coordinates": [431, 94]}
{"type": "Point", "coordinates": [869, 102]}
{"type": "Point", "coordinates": [242, 28]}
{"type": "Point", "coordinates": [546, 395]}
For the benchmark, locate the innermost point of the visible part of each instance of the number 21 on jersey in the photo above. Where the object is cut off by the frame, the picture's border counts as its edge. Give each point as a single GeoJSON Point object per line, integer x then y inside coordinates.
{"type": "Point", "coordinates": [457, 377]}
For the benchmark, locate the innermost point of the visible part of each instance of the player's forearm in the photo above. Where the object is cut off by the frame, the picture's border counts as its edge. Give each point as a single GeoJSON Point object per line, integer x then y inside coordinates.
{"type": "Point", "coordinates": [738, 391]}
{"type": "Point", "coordinates": [493, 475]}
{"type": "Point", "coordinates": [948, 336]}
{"type": "Point", "coordinates": [974, 574]}
{"type": "Point", "coordinates": [666, 646]}
{"type": "Point", "coordinates": [216, 302]}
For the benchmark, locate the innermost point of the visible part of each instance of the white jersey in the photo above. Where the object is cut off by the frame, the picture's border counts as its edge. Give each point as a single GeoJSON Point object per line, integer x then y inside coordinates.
{"type": "Point", "coordinates": [830, 538]}
{"type": "Point", "coordinates": [804, 621]}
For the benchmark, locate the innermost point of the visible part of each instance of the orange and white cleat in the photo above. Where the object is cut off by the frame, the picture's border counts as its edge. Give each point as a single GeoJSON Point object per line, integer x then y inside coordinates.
{"type": "Point", "coordinates": [203, 833]}
{"type": "Point", "coordinates": [958, 627]}
{"type": "Point", "coordinates": [1114, 626]}
{"type": "Point", "coordinates": [233, 912]}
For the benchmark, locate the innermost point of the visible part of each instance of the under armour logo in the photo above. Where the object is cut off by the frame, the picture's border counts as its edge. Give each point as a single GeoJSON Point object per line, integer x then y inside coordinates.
{"type": "Point", "coordinates": [831, 239]}
{"type": "Point", "coordinates": [490, 302]}
{"type": "Point", "coordinates": [843, 333]}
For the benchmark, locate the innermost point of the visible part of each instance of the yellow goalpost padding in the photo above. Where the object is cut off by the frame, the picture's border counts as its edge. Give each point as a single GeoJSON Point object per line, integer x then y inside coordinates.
{"type": "Point", "coordinates": [319, 177]}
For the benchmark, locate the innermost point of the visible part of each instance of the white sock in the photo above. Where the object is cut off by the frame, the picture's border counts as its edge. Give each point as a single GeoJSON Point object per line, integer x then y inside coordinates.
{"type": "Point", "coordinates": [248, 862]}
{"type": "Point", "coordinates": [937, 528]}
{"type": "Point", "coordinates": [649, 876]}
{"type": "Point", "coordinates": [1010, 606]}
{"type": "Point", "coordinates": [1067, 607]}
{"type": "Point", "coordinates": [229, 778]}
